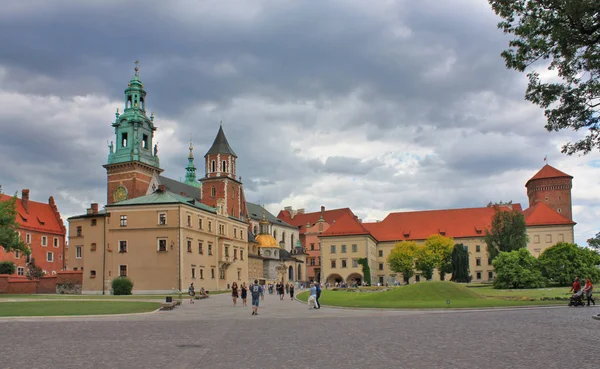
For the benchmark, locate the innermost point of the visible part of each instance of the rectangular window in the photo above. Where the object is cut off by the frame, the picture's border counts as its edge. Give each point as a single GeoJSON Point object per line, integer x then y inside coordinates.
{"type": "Point", "coordinates": [490, 275]}
{"type": "Point", "coordinates": [123, 270]}
{"type": "Point", "coordinates": [381, 280]}
{"type": "Point", "coordinates": [162, 245]}
{"type": "Point", "coordinates": [28, 238]}
{"type": "Point", "coordinates": [189, 245]}
{"type": "Point", "coordinates": [201, 273]}
{"type": "Point", "coordinates": [417, 279]}
{"type": "Point", "coordinates": [209, 249]}
{"type": "Point", "coordinates": [79, 233]}
{"type": "Point", "coordinates": [44, 241]}
{"type": "Point", "coordinates": [123, 220]}
{"type": "Point", "coordinates": [241, 254]}
{"type": "Point", "coordinates": [92, 274]}
{"type": "Point", "coordinates": [312, 261]}
{"type": "Point", "coordinates": [226, 250]}
{"type": "Point", "coordinates": [478, 274]}
{"type": "Point", "coordinates": [49, 257]}
{"type": "Point", "coordinates": [561, 238]}
{"type": "Point", "coordinates": [380, 253]}
{"type": "Point", "coordinates": [162, 219]}
{"type": "Point", "coordinates": [478, 248]}
{"type": "Point", "coordinates": [20, 271]}
{"type": "Point", "coordinates": [193, 272]}
{"type": "Point", "coordinates": [94, 222]}
{"type": "Point", "coordinates": [354, 263]}
{"type": "Point", "coordinates": [200, 248]}
{"type": "Point", "coordinates": [235, 233]}
{"type": "Point", "coordinates": [209, 226]}
{"type": "Point", "coordinates": [478, 261]}
{"type": "Point", "coordinates": [344, 264]}
{"type": "Point", "coordinates": [380, 266]}
{"type": "Point", "coordinates": [93, 247]}
{"type": "Point", "coordinates": [199, 222]}
{"type": "Point", "coordinates": [17, 255]}
{"type": "Point", "coordinates": [344, 249]}
{"type": "Point", "coordinates": [55, 242]}
{"type": "Point", "coordinates": [354, 248]}
{"type": "Point", "coordinates": [189, 220]}
{"type": "Point", "coordinates": [212, 273]}
{"type": "Point", "coordinates": [221, 273]}
{"type": "Point", "coordinates": [333, 249]}
{"type": "Point", "coordinates": [122, 246]}
{"type": "Point", "coordinates": [78, 250]}
{"type": "Point", "coordinates": [234, 254]}
{"type": "Point", "coordinates": [333, 263]}
{"type": "Point", "coordinates": [536, 238]}
{"type": "Point", "coordinates": [489, 261]}
{"type": "Point", "coordinates": [548, 238]}
{"type": "Point", "coordinates": [312, 247]}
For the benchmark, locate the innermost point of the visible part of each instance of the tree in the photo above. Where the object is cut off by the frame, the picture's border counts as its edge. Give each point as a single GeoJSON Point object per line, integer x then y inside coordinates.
{"type": "Point", "coordinates": [517, 269]}
{"type": "Point", "coordinates": [594, 242]}
{"type": "Point", "coordinates": [364, 263]}
{"type": "Point", "coordinates": [566, 33]}
{"type": "Point", "coordinates": [425, 261]}
{"type": "Point", "coordinates": [441, 247]}
{"type": "Point", "coordinates": [460, 264]}
{"type": "Point", "coordinates": [7, 267]}
{"type": "Point", "coordinates": [34, 271]}
{"type": "Point", "coordinates": [402, 259]}
{"type": "Point", "coordinates": [508, 232]}
{"type": "Point", "coordinates": [564, 261]}
{"type": "Point", "coordinates": [9, 237]}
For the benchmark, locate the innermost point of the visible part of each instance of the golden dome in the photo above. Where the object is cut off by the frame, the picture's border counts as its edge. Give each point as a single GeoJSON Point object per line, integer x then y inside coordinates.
{"type": "Point", "coordinates": [266, 240]}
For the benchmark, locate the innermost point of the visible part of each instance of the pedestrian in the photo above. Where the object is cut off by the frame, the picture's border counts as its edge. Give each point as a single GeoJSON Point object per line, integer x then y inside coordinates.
{"type": "Point", "coordinates": [256, 291]}
{"type": "Point", "coordinates": [588, 292]}
{"type": "Point", "coordinates": [244, 294]}
{"type": "Point", "coordinates": [281, 291]}
{"type": "Point", "coordinates": [576, 286]}
{"type": "Point", "coordinates": [312, 298]}
{"type": "Point", "coordinates": [318, 287]}
{"type": "Point", "coordinates": [234, 293]}
{"type": "Point", "coordinates": [291, 291]}
{"type": "Point", "coordinates": [287, 288]}
{"type": "Point", "coordinates": [191, 292]}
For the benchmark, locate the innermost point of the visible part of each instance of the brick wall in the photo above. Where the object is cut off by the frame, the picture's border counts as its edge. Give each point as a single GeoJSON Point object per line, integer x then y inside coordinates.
{"type": "Point", "coordinates": [12, 284]}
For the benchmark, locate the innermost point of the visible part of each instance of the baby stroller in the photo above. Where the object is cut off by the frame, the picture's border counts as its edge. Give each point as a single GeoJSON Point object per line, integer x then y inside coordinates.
{"type": "Point", "coordinates": [577, 299]}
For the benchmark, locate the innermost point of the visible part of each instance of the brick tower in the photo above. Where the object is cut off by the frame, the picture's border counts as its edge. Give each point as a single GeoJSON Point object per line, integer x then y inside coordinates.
{"type": "Point", "coordinates": [133, 164]}
{"type": "Point", "coordinates": [552, 187]}
{"type": "Point", "coordinates": [220, 185]}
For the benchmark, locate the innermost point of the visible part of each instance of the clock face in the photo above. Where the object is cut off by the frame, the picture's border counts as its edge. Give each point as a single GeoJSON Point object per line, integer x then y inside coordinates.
{"type": "Point", "coordinates": [120, 193]}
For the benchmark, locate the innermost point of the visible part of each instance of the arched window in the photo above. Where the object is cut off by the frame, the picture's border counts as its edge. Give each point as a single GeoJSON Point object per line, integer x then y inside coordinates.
{"type": "Point", "coordinates": [255, 229]}
{"type": "Point", "coordinates": [275, 234]}
{"type": "Point", "coordinates": [283, 237]}
{"type": "Point", "coordinates": [293, 245]}
{"type": "Point", "coordinates": [213, 166]}
{"type": "Point", "coordinates": [213, 191]}
{"type": "Point", "coordinates": [142, 103]}
{"type": "Point", "coordinates": [223, 166]}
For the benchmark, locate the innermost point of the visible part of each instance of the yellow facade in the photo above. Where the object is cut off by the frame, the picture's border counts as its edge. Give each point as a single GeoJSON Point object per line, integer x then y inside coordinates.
{"type": "Point", "coordinates": [161, 248]}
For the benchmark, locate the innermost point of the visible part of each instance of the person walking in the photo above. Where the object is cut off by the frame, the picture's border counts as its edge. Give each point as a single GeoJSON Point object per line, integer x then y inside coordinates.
{"type": "Point", "coordinates": [318, 287]}
{"type": "Point", "coordinates": [256, 292]}
{"type": "Point", "coordinates": [588, 291]}
{"type": "Point", "coordinates": [234, 293]}
{"type": "Point", "coordinates": [312, 298]}
{"type": "Point", "coordinates": [576, 286]}
{"type": "Point", "coordinates": [244, 294]}
{"type": "Point", "coordinates": [287, 288]}
{"type": "Point", "coordinates": [281, 291]}
{"type": "Point", "coordinates": [191, 292]}
{"type": "Point", "coordinates": [292, 291]}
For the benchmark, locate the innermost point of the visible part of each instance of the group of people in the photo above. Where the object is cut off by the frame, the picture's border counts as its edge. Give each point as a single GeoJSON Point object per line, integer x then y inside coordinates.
{"type": "Point", "coordinates": [587, 289]}
{"type": "Point", "coordinates": [192, 292]}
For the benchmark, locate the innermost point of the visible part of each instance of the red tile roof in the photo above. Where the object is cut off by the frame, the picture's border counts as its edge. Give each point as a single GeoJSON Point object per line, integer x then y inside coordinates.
{"type": "Point", "coordinates": [300, 220]}
{"type": "Point", "coordinates": [548, 172]}
{"type": "Point", "coordinates": [345, 225]}
{"type": "Point", "coordinates": [542, 214]}
{"type": "Point", "coordinates": [38, 217]}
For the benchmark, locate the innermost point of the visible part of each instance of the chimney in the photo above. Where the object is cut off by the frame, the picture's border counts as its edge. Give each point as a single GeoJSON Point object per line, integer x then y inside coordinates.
{"type": "Point", "coordinates": [94, 208]}
{"type": "Point", "coordinates": [288, 209]}
{"type": "Point", "coordinates": [51, 201]}
{"type": "Point", "coordinates": [322, 210]}
{"type": "Point", "coordinates": [300, 211]}
{"type": "Point", "coordinates": [25, 199]}
{"type": "Point", "coordinates": [162, 188]}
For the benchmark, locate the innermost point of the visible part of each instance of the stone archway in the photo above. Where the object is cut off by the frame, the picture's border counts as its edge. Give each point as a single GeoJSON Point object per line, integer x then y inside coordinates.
{"type": "Point", "coordinates": [333, 278]}
{"type": "Point", "coordinates": [354, 278]}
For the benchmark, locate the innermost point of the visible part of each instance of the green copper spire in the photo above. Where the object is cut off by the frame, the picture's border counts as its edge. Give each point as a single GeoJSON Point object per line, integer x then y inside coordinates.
{"type": "Point", "coordinates": [134, 131]}
{"type": "Point", "coordinates": [190, 170]}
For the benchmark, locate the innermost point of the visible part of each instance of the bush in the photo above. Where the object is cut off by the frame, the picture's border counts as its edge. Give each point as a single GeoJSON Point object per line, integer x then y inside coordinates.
{"type": "Point", "coordinates": [122, 286]}
{"type": "Point", "coordinates": [517, 269]}
{"type": "Point", "coordinates": [7, 267]}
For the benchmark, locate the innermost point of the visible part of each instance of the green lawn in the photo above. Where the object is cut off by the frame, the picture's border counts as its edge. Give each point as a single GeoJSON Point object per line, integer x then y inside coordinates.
{"type": "Point", "coordinates": [54, 308]}
{"type": "Point", "coordinates": [537, 293]}
{"type": "Point", "coordinates": [422, 295]}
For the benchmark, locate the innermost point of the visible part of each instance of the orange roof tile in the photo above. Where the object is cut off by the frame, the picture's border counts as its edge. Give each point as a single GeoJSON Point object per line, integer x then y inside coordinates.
{"type": "Point", "coordinates": [542, 214]}
{"type": "Point", "coordinates": [418, 225]}
{"type": "Point", "coordinates": [548, 172]}
{"type": "Point", "coordinates": [345, 225]}
{"type": "Point", "coordinates": [300, 220]}
{"type": "Point", "coordinates": [39, 217]}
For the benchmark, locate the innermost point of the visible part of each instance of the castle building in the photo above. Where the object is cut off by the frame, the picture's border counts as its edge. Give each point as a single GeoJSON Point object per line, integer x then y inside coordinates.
{"type": "Point", "coordinates": [548, 219]}
{"type": "Point", "coordinates": [43, 231]}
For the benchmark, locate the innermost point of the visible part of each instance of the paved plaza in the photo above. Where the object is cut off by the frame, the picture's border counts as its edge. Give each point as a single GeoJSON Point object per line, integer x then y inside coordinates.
{"type": "Point", "coordinates": [213, 334]}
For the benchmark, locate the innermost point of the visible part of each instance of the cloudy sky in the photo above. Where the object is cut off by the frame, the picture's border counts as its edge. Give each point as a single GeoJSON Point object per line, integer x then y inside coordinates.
{"type": "Point", "coordinates": [379, 106]}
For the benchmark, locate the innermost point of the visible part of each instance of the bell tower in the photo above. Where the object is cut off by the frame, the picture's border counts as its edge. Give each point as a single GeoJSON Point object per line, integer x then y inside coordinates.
{"type": "Point", "coordinates": [132, 158]}
{"type": "Point", "coordinates": [220, 185]}
{"type": "Point", "coordinates": [552, 187]}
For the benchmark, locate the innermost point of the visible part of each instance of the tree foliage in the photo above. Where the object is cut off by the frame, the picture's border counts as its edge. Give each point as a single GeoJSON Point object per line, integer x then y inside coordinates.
{"type": "Point", "coordinates": [441, 247]}
{"type": "Point", "coordinates": [564, 261]}
{"type": "Point", "coordinates": [594, 242]}
{"type": "Point", "coordinates": [9, 237]}
{"type": "Point", "coordinates": [425, 261]}
{"type": "Point", "coordinates": [364, 263]}
{"type": "Point", "coordinates": [122, 286]}
{"type": "Point", "coordinates": [460, 264]}
{"type": "Point", "coordinates": [508, 232]}
{"type": "Point", "coordinates": [34, 271]}
{"type": "Point", "coordinates": [7, 267]}
{"type": "Point", "coordinates": [402, 259]}
{"type": "Point", "coordinates": [567, 34]}
{"type": "Point", "coordinates": [517, 269]}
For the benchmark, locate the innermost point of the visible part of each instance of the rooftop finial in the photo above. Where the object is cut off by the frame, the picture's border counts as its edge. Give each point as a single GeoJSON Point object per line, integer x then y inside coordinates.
{"type": "Point", "coordinates": [137, 63]}
{"type": "Point", "coordinates": [191, 148]}
{"type": "Point", "coordinates": [221, 123]}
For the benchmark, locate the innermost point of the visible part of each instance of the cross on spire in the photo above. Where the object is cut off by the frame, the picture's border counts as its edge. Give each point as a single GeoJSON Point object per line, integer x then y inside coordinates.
{"type": "Point", "coordinates": [137, 68]}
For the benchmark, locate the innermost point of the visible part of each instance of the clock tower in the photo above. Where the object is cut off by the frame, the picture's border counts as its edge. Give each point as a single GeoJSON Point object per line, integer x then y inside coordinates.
{"type": "Point", "coordinates": [133, 163]}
